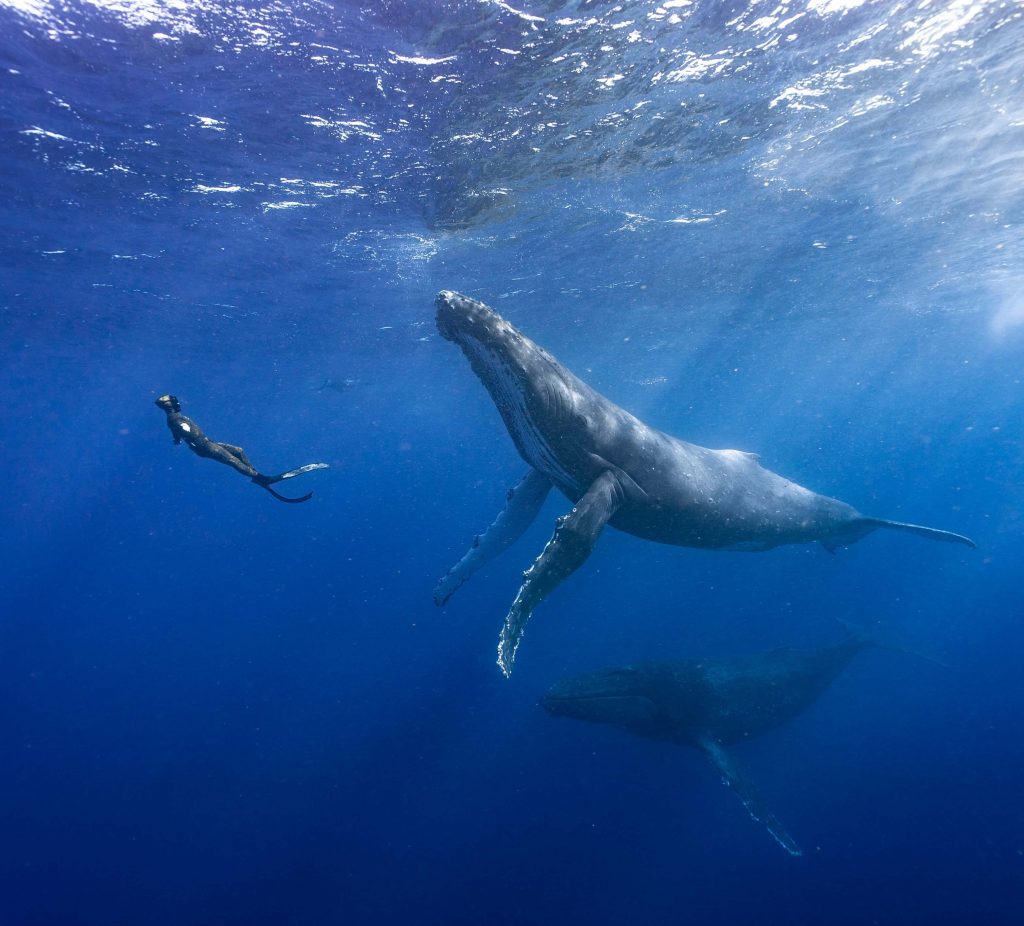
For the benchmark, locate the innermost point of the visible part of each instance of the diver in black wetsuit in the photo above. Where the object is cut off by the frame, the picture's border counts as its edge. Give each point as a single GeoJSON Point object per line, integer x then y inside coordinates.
{"type": "Point", "coordinates": [185, 429]}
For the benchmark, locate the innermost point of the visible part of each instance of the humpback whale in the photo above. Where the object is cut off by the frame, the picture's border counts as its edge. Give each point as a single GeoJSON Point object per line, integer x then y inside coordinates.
{"type": "Point", "coordinates": [709, 704]}
{"type": "Point", "coordinates": [617, 470]}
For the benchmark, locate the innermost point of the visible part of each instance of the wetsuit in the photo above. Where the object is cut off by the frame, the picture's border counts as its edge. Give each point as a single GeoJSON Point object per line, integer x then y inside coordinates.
{"type": "Point", "coordinates": [185, 429]}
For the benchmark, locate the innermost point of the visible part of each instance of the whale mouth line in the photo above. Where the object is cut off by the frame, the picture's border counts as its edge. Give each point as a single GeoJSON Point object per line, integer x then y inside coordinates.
{"type": "Point", "coordinates": [547, 700]}
{"type": "Point", "coordinates": [509, 366]}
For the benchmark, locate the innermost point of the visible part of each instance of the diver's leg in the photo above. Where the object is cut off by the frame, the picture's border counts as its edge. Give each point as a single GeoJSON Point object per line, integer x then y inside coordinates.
{"type": "Point", "coordinates": [238, 452]}
{"type": "Point", "coordinates": [522, 502]}
{"type": "Point", "coordinates": [574, 538]}
{"type": "Point", "coordinates": [225, 453]}
{"type": "Point", "coordinates": [267, 481]}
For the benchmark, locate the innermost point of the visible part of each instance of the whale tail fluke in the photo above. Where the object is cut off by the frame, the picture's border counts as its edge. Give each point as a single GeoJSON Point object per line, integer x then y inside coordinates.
{"type": "Point", "coordinates": [932, 533]}
{"type": "Point", "coordinates": [869, 636]}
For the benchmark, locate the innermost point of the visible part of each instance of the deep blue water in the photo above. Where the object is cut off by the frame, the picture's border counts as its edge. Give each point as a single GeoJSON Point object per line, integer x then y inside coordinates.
{"type": "Point", "coordinates": [790, 228]}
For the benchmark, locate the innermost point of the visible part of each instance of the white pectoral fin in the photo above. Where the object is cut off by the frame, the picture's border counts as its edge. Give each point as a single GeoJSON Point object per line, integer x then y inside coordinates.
{"type": "Point", "coordinates": [574, 538]}
{"type": "Point", "coordinates": [737, 780]}
{"type": "Point", "coordinates": [522, 503]}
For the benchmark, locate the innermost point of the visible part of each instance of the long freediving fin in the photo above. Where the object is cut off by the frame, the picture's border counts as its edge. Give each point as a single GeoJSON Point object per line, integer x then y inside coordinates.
{"type": "Point", "coordinates": [267, 481]}
{"type": "Point", "coordinates": [522, 502]}
{"type": "Point", "coordinates": [285, 498]}
{"type": "Point", "coordinates": [574, 538]}
{"type": "Point", "coordinates": [292, 473]}
{"type": "Point", "coordinates": [736, 779]}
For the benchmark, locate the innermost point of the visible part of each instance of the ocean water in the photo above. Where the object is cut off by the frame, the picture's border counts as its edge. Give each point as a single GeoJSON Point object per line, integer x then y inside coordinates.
{"type": "Point", "coordinates": [792, 228]}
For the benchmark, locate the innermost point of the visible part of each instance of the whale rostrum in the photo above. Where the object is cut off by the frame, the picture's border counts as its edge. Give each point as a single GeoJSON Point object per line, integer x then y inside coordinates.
{"type": "Point", "coordinates": [617, 470]}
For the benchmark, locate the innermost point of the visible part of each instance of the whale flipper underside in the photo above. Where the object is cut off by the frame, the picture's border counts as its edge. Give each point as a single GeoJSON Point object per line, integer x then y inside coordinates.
{"type": "Point", "coordinates": [570, 545]}
{"type": "Point", "coordinates": [522, 502]}
{"type": "Point", "coordinates": [736, 779]}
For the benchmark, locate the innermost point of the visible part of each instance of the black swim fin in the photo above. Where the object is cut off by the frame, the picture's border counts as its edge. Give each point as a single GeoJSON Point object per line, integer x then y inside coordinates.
{"type": "Point", "coordinates": [284, 498]}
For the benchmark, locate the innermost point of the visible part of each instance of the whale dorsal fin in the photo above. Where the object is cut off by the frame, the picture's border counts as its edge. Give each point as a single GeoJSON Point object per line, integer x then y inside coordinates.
{"type": "Point", "coordinates": [742, 454]}
{"type": "Point", "coordinates": [736, 779]}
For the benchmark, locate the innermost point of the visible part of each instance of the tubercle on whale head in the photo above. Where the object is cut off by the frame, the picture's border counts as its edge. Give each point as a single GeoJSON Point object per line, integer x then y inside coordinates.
{"type": "Point", "coordinates": [458, 315]}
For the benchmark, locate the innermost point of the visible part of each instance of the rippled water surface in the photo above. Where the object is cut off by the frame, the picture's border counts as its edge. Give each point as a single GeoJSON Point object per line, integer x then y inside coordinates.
{"type": "Point", "coordinates": [792, 228]}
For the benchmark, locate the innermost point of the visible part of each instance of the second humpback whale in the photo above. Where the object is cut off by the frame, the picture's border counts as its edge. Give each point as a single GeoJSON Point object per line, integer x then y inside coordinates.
{"type": "Point", "coordinates": [709, 704]}
{"type": "Point", "coordinates": [617, 470]}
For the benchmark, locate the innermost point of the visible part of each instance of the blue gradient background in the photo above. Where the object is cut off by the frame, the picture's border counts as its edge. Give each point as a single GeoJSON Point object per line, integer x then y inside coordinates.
{"type": "Point", "coordinates": [218, 709]}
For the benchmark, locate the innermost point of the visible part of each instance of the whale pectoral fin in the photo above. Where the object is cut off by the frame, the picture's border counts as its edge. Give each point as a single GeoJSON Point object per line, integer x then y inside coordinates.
{"type": "Point", "coordinates": [522, 502]}
{"type": "Point", "coordinates": [574, 538]}
{"type": "Point", "coordinates": [736, 779]}
{"type": "Point", "coordinates": [630, 488]}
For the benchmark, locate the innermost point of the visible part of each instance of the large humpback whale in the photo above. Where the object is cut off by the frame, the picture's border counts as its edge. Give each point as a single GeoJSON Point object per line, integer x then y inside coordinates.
{"type": "Point", "coordinates": [709, 704]}
{"type": "Point", "coordinates": [617, 470]}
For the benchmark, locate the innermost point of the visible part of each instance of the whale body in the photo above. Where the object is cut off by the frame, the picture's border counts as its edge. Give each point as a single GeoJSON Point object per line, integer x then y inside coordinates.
{"type": "Point", "coordinates": [617, 470]}
{"type": "Point", "coordinates": [709, 704]}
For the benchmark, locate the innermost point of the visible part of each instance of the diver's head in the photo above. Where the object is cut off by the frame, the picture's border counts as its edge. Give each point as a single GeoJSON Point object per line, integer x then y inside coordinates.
{"type": "Point", "coordinates": [169, 403]}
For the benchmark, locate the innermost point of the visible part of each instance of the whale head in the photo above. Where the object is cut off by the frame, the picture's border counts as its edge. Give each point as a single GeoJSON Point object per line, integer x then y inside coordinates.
{"type": "Point", "coordinates": [622, 697]}
{"type": "Point", "coordinates": [509, 365]}
{"type": "Point", "coordinates": [534, 393]}
{"type": "Point", "coordinates": [459, 317]}
{"type": "Point", "coordinates": [496, 350]}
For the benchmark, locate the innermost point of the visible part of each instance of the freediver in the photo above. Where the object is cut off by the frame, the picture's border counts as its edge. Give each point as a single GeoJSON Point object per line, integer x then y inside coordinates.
{"type": "Point", "coordinates": [340, 387]}
{"type": "Point", "coordinates": [185, 429]}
